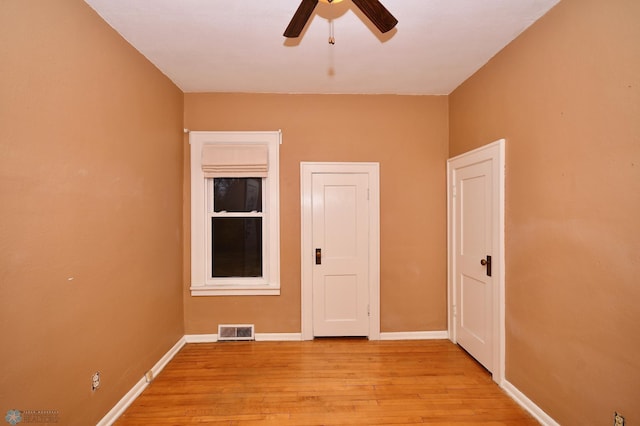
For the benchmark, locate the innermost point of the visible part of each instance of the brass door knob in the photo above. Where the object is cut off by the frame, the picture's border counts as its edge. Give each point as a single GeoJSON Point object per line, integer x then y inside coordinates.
{"type": "Point", "coordinates": [487, 262]}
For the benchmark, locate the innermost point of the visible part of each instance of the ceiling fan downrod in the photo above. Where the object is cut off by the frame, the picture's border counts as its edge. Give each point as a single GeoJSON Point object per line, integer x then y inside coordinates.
{"type": "Point", "coordinates": [332, 39]}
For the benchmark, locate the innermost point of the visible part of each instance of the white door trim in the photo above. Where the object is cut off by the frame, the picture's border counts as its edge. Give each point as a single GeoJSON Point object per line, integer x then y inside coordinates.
{"type": "Point", "coordinates": [496, 153]}
{"type": "Point", "coordinates": [307, 256]}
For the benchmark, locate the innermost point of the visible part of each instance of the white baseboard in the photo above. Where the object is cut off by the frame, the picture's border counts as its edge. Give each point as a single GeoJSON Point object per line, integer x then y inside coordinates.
{"type": "Point", "coordinates": [201, 338]}
{"type": "Point", "coordinates": [296, 337]}
{"type": "Point", "coordinates": [140, 386]}
{"type": "Point", "coordinates": [278, 337]}
{"type": "Point", "coordinates": [260, 337]}
{"type": "Point", "coordinates": [528, 405]}
{"type": "Point", "coordinates": [415, 335]}
{"type": "Point", "coordinates": [156, 369]}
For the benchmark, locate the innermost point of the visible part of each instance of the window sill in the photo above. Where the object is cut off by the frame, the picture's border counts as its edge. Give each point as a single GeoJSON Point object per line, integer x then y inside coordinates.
{"type": "Point", "coordinates": [234, 291]}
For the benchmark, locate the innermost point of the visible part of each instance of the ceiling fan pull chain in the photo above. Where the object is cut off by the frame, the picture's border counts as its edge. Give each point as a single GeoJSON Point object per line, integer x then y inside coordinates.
{"type": "Point", "coordinates": [332, 39]}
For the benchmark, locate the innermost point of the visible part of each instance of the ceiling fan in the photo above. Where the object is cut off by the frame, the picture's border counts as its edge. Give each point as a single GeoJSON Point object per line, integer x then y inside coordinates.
{"type": "Point", "coordinates": [373, 9]}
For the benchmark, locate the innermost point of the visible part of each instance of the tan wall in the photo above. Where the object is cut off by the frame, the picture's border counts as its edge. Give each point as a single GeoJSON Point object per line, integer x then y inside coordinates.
{"type": "Point", "coordinates": [407, 135]}
{"type": "Point", "coordinates": [566, 96]}
{"type": "Point", "coordinates": [91, 196]}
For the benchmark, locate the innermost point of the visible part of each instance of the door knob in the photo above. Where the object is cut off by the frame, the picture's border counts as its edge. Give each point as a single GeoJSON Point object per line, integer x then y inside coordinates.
{"type": "Point", "coordinates": [487, 262]}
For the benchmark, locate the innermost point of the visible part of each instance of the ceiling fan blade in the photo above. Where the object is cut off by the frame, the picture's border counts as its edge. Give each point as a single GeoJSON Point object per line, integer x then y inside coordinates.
{"type": "Point", "coordinates": [377, 13]}
{"type": "Point", "coordinates": [300, 18]}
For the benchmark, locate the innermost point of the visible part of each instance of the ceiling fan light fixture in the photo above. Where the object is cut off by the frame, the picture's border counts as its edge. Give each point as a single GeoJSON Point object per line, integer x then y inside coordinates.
{"type": "Point", "coordinates": [372, 9]}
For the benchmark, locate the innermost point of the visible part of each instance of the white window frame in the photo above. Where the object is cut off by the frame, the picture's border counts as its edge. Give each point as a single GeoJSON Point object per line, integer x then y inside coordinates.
{"type": "Point", "coordinates": [202, 284]}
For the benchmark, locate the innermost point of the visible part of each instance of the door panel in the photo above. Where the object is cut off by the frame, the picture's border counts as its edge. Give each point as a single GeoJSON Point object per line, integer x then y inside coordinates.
{"type": "Point", "coordinates": [340, 230]}
{"type": "Point", "coordinates": [341, 213]}
{"type": "Point", "coordinates": [473, 315]}
{"type": "Point", "coordinates": [340, 297]}
{"type": "Point", "coordinates": [474, 289]}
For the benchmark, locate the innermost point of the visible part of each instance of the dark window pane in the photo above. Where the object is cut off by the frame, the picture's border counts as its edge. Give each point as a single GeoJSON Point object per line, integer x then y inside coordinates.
{"type": "Point", "coordinates": [237, 194]}
{"type": "Point", "coordinates": [236, 247]}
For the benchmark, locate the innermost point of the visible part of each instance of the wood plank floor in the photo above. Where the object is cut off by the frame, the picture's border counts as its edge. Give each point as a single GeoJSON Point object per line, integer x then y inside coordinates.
{"type": "Point", "coordinates": [324, 382]}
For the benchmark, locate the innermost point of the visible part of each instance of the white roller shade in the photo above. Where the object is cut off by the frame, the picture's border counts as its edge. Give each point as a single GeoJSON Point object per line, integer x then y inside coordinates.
{"type": "Point", "coordinates": [235, 160]}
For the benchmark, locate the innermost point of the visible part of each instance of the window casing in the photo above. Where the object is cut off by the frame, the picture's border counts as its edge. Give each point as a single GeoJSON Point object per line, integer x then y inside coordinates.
{"type": "Point", "coordinates": [234, 216]}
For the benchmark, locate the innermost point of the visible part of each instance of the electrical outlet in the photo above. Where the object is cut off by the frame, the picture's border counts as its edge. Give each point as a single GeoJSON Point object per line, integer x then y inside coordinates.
{"type": "Point", "coordinates": [618, 420]}
{"type": "Point", "coordinates": [95, 381]}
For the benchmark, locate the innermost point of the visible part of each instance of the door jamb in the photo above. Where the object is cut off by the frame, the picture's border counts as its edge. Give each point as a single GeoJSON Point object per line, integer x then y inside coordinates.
{"type": "Point", "coordinates": [307, 257]}
{"type": "Point", "coordinates": [496, 152]}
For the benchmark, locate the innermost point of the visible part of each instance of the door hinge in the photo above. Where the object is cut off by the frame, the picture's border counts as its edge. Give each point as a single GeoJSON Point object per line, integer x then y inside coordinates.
{"type": "Point", "coordinates": [368, 310]}
{"type": "Point", "coordinates": [454, 190]}
{"type": "Point", "coordinates": [367, 194]}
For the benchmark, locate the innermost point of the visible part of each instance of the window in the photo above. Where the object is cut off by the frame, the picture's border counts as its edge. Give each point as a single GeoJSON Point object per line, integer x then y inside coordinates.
{"type": "Point", "coordinates": [236, 227]}
{"type": "Point", "coordinates": [234, 213]}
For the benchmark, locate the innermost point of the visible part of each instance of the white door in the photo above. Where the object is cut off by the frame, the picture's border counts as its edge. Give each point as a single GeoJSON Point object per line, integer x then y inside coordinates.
{"type": "Point", "coordinates": [341, 254]}
{"type": "Point", "coordinates": [476, 254]}
{"type": "Point", "coordinates": [340, 216]}
{"type": "Point", "coordinates": [474, 296]}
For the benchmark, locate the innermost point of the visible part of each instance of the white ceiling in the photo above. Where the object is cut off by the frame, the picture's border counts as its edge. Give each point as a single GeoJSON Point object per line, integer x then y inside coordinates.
{"type": "Point", "coordinates": [237, 45]}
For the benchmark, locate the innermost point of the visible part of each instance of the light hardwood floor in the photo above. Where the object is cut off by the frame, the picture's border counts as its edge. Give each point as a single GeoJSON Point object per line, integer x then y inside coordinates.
{"type": "Point", "coordinates": [324, 382]}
